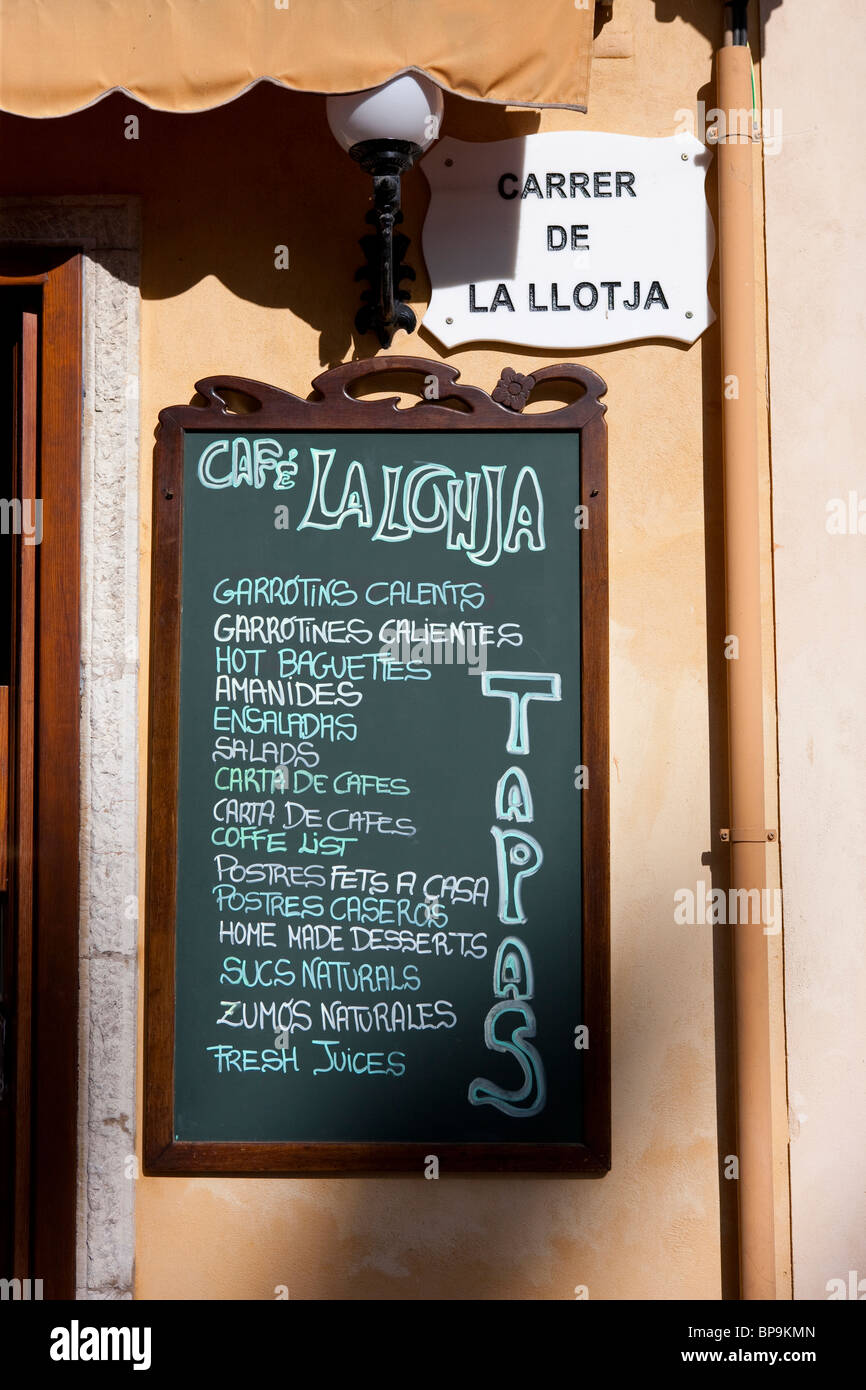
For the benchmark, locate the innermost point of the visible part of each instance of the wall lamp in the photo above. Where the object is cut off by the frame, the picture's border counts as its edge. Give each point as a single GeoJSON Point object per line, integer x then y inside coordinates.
{"type": "Point", "coordinates": [386, 129]}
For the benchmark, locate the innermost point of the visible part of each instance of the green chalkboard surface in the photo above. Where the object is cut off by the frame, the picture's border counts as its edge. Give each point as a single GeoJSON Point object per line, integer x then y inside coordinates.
{"type": "Point", "coordinates": [375, 935]}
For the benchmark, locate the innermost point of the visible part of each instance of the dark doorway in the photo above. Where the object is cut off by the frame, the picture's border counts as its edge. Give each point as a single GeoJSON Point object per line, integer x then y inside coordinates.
{"type": "Point", "coordinates": [40, 428]}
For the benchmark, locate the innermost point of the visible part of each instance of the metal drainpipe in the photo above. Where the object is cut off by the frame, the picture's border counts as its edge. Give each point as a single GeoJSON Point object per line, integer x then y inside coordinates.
{"type": "Point", "coordinates": [748, 834]}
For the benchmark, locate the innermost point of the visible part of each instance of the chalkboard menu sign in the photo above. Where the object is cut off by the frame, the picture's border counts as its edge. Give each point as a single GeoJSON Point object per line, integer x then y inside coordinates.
{"type": "Point", "coordinates": [377, 905]}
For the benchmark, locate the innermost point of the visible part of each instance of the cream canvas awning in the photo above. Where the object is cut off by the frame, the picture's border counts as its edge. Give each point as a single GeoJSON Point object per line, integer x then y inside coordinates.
{"type": "Point", "coordinates": [57, 56]}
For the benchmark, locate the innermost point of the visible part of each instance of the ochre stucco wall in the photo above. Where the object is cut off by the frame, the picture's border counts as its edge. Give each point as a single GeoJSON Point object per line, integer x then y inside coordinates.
{"type": "Point", "coordinates": [651, 1229]}
{"type": "Point", "coordinates": [220, 191]}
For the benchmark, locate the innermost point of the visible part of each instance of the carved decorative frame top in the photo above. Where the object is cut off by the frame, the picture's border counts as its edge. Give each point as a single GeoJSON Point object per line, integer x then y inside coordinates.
{"type": "Point", "coordinates": [448, 405]}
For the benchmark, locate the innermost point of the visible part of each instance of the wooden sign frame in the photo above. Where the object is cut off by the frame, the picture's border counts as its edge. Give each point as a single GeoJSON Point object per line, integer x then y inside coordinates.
{"type": "Point", "coordinates": [333, 408]}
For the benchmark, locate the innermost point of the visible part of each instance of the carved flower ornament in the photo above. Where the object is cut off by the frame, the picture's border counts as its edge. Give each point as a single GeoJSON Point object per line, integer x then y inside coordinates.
{"type": "Point", "coordinates": [513, 390]}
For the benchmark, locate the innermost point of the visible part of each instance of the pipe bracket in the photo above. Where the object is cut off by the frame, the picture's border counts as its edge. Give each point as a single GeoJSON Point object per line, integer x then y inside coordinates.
{"type": "Point", "coordinates": [747, 836]}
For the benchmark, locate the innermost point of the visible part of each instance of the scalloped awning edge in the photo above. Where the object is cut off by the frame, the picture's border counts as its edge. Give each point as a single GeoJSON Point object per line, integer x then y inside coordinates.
{"type": "Point", "coordinates": [57, 58]}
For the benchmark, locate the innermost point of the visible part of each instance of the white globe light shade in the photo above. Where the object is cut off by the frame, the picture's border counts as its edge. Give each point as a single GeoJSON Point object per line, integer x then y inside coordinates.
{"type": "Point", "coordinates": [409, 107]}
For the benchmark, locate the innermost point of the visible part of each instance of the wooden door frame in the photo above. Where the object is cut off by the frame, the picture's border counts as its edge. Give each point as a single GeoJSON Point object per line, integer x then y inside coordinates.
{"type": "Point", "coordinates": [48, 1253]}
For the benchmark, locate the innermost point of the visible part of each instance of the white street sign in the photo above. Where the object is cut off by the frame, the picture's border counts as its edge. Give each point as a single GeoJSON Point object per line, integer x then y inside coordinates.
{"type": "Point", "coordinates": [570, 239]}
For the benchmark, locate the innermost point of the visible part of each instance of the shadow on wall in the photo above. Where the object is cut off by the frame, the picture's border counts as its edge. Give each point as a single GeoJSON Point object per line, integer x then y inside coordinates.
{"type": "Point", "coordinates": [711, 24]}
{"type": "Point", "coordinates": [260, 173]}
